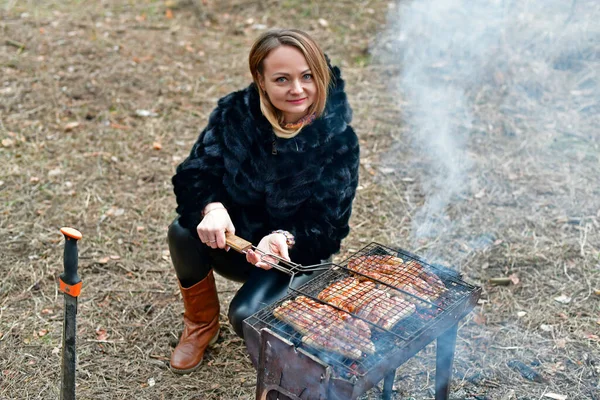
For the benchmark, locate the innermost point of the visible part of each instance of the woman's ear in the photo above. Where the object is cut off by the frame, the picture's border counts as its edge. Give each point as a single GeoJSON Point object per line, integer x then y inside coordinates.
{"type": "Point", "coordinates": [261, 82]}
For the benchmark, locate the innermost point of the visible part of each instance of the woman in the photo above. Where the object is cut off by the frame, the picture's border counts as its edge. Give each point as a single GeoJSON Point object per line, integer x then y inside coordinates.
{"type": "Point", "coordinates": [277, 165]}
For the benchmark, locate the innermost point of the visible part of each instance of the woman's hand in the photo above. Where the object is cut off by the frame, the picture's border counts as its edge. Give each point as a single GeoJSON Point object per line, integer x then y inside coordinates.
{"type": "Point", "coordinates": [275, 244]}
{"type": "Point", "coordinates": [213, 226]}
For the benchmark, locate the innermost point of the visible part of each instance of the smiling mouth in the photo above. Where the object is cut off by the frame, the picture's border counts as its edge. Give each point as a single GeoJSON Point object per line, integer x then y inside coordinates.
{"type": "Point", "coordinates": [297, 101]}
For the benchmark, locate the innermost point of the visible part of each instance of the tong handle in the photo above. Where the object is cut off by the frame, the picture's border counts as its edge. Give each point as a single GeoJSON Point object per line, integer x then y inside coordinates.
{"type": "Point", "coordinates": [237, 243]}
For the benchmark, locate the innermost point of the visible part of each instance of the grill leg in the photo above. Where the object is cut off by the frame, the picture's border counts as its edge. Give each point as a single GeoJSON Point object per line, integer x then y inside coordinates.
{"type": "Point", "coordinates": [388, 384]}
{"type": "Point", "coordinates": [446, 343]}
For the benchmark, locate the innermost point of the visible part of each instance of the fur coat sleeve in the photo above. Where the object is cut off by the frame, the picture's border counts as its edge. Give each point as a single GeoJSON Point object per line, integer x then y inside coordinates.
{"type": "Point", "coordinates": [199, 179]}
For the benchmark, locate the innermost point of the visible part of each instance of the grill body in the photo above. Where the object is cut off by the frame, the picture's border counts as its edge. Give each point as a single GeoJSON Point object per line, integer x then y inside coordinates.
{"type": "Point", "coordinates": [296, 371]}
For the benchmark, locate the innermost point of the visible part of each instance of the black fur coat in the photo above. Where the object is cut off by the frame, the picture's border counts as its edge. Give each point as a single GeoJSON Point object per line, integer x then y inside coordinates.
{"type": "Point", "coordinates": [306, 188]}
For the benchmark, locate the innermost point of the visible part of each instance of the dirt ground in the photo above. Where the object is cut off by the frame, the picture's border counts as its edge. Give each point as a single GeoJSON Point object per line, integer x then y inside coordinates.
{"type": "Point", "coordinates": [99, 101]}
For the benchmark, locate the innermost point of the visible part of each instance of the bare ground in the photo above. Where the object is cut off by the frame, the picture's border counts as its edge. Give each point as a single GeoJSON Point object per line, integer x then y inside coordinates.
{"type": "Point", "coordinates": [78, 148]}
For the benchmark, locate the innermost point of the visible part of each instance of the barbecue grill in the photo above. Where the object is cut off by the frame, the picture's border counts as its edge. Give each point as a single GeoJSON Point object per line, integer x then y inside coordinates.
{"type": "Point", "coordinates": [290, 368]}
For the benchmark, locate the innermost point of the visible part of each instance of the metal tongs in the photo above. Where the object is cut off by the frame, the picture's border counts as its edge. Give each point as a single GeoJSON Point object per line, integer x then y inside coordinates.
{"type": "Point", "coordinates": [288, 267]}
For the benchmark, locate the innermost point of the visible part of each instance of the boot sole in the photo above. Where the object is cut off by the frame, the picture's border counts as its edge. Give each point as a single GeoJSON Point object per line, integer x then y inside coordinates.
{"type": "Point", "coordinates": [187, 371]}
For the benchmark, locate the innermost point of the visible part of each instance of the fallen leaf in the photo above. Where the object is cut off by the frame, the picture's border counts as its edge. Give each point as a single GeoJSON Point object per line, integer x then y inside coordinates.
{"type": "Point", "coordinates": [54, 172]}
{"type": "Point", "coordinates": [156, 146]}
{"type": "Point", "coordinates": [386, 170]}
{"type": "Point", "coordinates": [42, 332]}
{"type": "Point", "coordinates": [70, 126]}
{"type": "Point", "coordinates": [103, 260]}
{"type": "Point", "coordinates": [140, 228]}
{"type": "Point", "coordinates": [168, 15]}
{"type": "Point", "coordinates": [546, 328]}
{"type": "Point", "coordinates": [47, 311]}
{"type": "Point", "coordinates": [514, 279]}
{"type": "Point", "coordinates": [151, 382]}
{"type": "Point", "coordinates": [597, 292]}
{"type": "Point", "coordinates": [480, 194]}
{"type": "Point", "coordinates": [114, 125]}
{"type": "Point", "coordinates": [563, 299]}
{"type": "Point", "coordinates": [101, 334]}
{"type": "Point", "coordinates": [591, 336]}
{"type": "Point", "coordinates": [115, 212]}
{"type": "Point", "coordinates": [115, 257]}
{"type": "Point", "coordinates": [323, 22]}
{"type": "Point", "coordinates": [145, 113]}
{"type": "Point", "coordinates": [34, 179]}
{"type": "Point", "coordinates": [561, 343]}
{"type": "Point", "coordinates": [479, 319]}
{"type": "Point", "coordinates": [7, 142]}
{"type": "Point", "coordinates": [55, 350]}
{"type": "Point", "coordinates": [556, 396]}
{"type": "Point", "coordinates": [521, 314]}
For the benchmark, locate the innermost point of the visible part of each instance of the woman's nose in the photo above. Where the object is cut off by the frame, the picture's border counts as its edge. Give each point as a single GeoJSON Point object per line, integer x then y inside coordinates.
{"type": "Point", "coordinates": [296, 87]}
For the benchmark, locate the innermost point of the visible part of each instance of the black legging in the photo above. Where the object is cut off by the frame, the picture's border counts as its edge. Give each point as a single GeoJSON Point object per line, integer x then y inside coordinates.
{"type": "Point", "coordinates": [193, 260]}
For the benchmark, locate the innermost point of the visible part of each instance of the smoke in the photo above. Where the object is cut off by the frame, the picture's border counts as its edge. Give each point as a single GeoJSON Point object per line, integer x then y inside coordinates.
{"type": "Point", "coordinates": [501, 105]}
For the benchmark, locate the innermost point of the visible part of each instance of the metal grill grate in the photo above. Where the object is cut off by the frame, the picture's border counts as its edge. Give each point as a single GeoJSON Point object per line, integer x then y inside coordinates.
{"type": "Point", "coordinates": [345, 284]}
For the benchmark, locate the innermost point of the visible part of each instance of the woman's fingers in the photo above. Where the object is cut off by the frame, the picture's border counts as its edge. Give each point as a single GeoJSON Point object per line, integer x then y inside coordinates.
{"type": "Point", "coordinates": [220, 240]}
{"type": "Point", "coordinates": [211, 238]}
{"type": "Point", "coordinates": [282, 247]}
{"type": "Point", "coordinates": [201, 233]}
{"type": "Point", "coordinates": [252, 257]}
{"type": "Point", "coordinates": [212, 228]}
{"type": "Point", "coordinates": [263, 265]}
{"type": "Point", "coordinates": [255, 259]}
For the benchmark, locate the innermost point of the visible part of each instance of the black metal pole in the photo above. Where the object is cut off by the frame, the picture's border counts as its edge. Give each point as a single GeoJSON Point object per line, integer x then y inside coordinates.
{"type": "Point", "coordinates": [446, 343]}
{"type": "Point", "coordinates": [388, 385]}
{"type": "Point", "coordinates": [70, 285]}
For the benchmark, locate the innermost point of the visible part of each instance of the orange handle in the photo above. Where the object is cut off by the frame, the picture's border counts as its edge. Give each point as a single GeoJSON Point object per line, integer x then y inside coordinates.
{"type": "Point", "coordinates": [70, 283]}
{"type": "Point", "coordinates": [71, 232]}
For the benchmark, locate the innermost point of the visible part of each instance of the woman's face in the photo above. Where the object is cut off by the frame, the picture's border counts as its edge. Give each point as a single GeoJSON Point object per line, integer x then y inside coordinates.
{"type": "Point", "coordinates": [288, 81]}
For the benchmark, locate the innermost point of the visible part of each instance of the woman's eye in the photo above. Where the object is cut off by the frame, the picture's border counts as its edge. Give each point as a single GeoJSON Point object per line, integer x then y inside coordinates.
{"type": "Point", "coordinates": [281, 79]}
{"type": "Point", "coordinates": [307, 76]}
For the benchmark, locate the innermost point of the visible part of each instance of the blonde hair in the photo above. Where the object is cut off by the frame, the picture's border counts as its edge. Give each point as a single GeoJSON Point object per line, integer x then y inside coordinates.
{"type": "Point", "coordinates": [315, 59]}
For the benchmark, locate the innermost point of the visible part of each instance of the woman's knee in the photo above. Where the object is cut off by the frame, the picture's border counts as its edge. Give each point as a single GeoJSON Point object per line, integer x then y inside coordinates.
{"type": "Point", "coordinates": [177, 234]}
{"type": "Point", "coordinates": [189, 259]}
{"type": "Point", "coordinates": [260, 290]}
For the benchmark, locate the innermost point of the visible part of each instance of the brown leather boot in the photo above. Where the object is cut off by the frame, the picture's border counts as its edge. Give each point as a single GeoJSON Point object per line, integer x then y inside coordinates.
{"type": "Point", "coordinates": [201, 325]}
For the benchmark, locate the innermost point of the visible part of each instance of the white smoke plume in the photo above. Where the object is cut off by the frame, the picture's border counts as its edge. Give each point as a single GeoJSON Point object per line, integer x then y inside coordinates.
{"type": "Point", "coordinates": [498, 94]}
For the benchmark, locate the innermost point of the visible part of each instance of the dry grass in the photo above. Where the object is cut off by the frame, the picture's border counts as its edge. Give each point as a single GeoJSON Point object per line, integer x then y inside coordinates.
{"type": "Point", "coordinates": [76, 152]}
